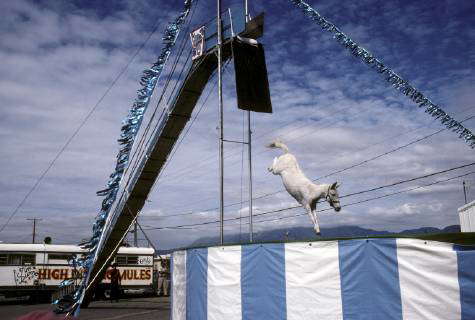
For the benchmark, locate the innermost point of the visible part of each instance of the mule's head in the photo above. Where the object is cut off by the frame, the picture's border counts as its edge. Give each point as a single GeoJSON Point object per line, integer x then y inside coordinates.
{"type": "Point", "coordinates": [332, 196]}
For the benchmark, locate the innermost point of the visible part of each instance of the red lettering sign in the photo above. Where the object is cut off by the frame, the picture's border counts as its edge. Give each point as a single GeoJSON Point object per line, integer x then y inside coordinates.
{"type": "Point", "coordinates": [131, 274]}
{"type": "Point", "coordinates": [55, 274]}
{"type": "Point", "coordinates": [64, 274]}
{"type": "Point", "coordinates": [42, 274]}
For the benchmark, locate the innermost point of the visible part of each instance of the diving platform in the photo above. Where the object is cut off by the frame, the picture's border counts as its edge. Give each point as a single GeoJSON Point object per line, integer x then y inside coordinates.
{"type": "Point", "coordinates": [163, 139]}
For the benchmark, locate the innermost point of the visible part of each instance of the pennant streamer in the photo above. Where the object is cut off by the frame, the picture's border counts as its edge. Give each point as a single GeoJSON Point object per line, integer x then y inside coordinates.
{"type": "Point", "coordinates": [395, 80]}
{"type": "Point", "coordinates": [130, 127]}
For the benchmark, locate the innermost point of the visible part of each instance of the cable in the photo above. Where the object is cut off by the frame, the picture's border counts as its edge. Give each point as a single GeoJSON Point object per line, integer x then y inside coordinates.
{"type": "Point", "coordinates": [142, 142]}
{"type": "Point", "coordinates": [184, 171]}
{"type": "Point", "coordinates": [83, 122]}
{"type": "Point", "coordinates": [409, 180]}
{"type": "Point", "coordinates": [361, 149]}
{"type": "Point", "coordinates": [342, 154]}
{"type": "Point", "coordinates": [374, 189]}
{"type": "Point", "coordinates": [374, 198]}
{"type": "Point", "coordinates": [157, 181]}
{"type": "Point", "coordinates": [124, 191]}
{"type": "Point", "coordinates": [368, 160]}
{"type": "Point", "coordinates": [331, 173]}
{"type": "Point", "coordinates": [165, 87]}
{"type": "Point", "coordinates": [204, 162]}
{"type": "Point", "coordinates": [303, 214]}
{"type": "Point", "coordinates": [188, 129]}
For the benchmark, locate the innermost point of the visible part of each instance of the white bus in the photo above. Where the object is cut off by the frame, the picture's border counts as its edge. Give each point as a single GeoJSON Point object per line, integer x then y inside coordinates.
{"type": "Point", "coordinates": [36, 270]}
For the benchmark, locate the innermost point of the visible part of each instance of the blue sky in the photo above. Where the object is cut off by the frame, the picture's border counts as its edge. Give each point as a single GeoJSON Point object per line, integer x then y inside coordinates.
{"type": "Point", "coordinates": [58, 58]}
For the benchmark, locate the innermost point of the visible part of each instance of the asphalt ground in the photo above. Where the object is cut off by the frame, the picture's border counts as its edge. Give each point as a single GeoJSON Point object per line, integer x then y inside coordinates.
{"type": "Point", "coordinates": [137, 308]}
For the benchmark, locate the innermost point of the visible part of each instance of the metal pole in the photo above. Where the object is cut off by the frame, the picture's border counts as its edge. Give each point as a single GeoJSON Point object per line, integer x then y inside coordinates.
{"type": "Point", "coordinates": [135, 234]}
{"type": "Point", "coordinates": [34, 230]}
{"type": "Point", "coordinates": [221, 135]}
{"type": "Point", "coordinates": [249, 153]}
{"type": "Point", "coordinates": [34, 227]}
{"type": "Point", "coordinates": [464, 191]}
{"type": "Point", "coordinates": [249, 149]}
{"type": "Point", "coordinates": [246, 10]}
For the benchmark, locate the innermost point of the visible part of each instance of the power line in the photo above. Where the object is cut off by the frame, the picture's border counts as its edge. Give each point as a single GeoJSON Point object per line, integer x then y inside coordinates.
{"type": "Point", "coordinates": [180, 173]}
{"type": "Point", "coordinates": [331, 173]}
{"type": "Point", "coordinates": [81, 125]}
{"type": "Point", "coordinates": [374, 198]}
{"type": "Point", "coordinates": [355, 165]}
{"type": "Point", "coordinates": [328, 209]}
{"type": "Point", "coordinates": [190, 226]}
{"type": "Point", "coordinates": [175, 149]}
{"type": "Point", "coordinates": [342, 155]}
{"type": "Point", "coordinates": [408, 180]}
{"type": "Point", "coordinates": [139, 149]}
{"type": "Point", "coordinates": [369, 159]}
{"type": "Point", "coordinates": [191, 124]}
{"type": "Point", "coordinates": [184, 171]}
{"type": "Point", "coordinates": [142, 142]}
{"type": "Point", "coordinates": [203, 105]}
{"type": "Point", "coordinates": [360, 192]}
{"type": "Point", "coordinates": [158, 122]}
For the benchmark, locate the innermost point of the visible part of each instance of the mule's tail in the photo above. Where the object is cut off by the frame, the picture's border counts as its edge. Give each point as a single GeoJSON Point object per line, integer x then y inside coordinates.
{"type": "Point", "coordinates": [278, 144]}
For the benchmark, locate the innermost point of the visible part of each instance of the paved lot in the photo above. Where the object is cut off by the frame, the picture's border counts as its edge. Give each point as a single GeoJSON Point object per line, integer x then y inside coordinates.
{"type": "Point", "coordinates": [156, 308]}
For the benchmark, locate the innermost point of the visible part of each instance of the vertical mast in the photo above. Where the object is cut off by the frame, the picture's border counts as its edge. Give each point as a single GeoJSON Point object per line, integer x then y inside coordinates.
{"type": "Point", "coordinates": [249, 148]}
{"type": "Point", "coordinates": [464, 191]}
{"type": "Point", "coordinates": [34, 228]}
{"type": "Point", "coordinates": [246, 10]}
{"type": "Point", "coordinates": [135, 234]}
{"type": "Point", "coordinates": [221, 136]}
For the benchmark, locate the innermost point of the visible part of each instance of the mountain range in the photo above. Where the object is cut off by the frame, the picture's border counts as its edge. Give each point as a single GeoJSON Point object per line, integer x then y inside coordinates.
{"type": "Point", "coordinates": [307, 233]}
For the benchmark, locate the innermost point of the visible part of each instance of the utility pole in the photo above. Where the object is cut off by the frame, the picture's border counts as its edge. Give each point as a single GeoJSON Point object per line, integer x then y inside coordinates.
{"type": "Point", "coordinates": [34, 227]}
{"type": "Point", "coordinates": [464, 191]}
{"type": "Point", "coordinates": [221, 135]}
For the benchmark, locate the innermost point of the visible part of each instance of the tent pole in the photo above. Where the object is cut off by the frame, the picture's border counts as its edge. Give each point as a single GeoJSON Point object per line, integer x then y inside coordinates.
{"type": "Point", "coordinates": [221, 135]}
{"type": "Point", "coordinates": [249, 147]}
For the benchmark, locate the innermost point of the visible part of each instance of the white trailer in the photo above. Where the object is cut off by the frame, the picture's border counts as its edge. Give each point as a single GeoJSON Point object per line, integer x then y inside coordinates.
{"type": "Point", "coordinates": [467, 217]}
{"type": "Point", "coordinates": [37, 269]}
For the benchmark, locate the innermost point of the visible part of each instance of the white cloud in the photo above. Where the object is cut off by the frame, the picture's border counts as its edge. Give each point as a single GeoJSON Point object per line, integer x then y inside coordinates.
{"type": "Point", "coordinates": [58, 59]}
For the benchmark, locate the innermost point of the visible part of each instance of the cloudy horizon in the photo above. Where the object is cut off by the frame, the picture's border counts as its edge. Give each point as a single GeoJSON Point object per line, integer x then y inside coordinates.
{"type": "Point", "coordinates": [332, 111]}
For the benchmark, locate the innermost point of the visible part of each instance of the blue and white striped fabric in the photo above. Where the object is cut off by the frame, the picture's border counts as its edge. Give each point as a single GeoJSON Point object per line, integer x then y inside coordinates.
{"type": "Point", "coordinates": [352, 279]}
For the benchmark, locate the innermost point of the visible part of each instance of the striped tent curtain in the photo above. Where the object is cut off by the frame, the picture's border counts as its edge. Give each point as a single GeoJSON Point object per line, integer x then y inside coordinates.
{"type": "Point", "coordinates": [350, 279]}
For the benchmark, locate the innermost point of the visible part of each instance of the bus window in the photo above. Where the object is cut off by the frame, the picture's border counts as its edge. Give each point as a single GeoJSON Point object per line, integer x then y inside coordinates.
{"type": "Point", "coordinates": [125, 260]}
{"type": "Point", "coordinates": [121, 260]}
{"type": "Point", "coordinates": [55, 258]}
{"type": "Point", "coordinates": [132, 259]}
{"type": "Point", "coordinates": [64, 257]}
{"type": "Point", "coordinates": [3, 259]}
{"type": "Point", "coordinates": [28, 259]}
{"type": "Point", "coordinates": [21, 259]}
